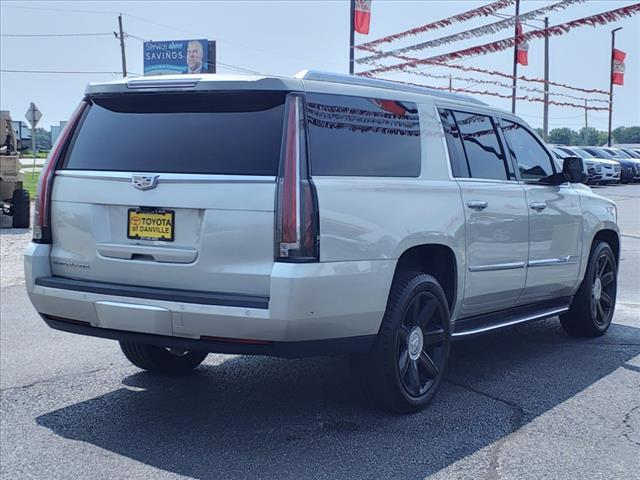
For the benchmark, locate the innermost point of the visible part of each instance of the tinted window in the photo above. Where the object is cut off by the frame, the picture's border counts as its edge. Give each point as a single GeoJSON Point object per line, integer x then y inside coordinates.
{"type": "Point", "coordinates": [484, 153]}
{"type": "Point", "coordinates": [221, 133]}
{"type": "Point", "coordinates": [459, 166]}
{"type": "Point", "coordinates": [582, 153]}
{"type": "Point", "coordinates": [356, 136]}
{"type": "Point", "coordinates": [568, 151]}
{"type": "Point", "coordinates": [597, 152]}
{"type": "Point", "coordinates": [533, 161]}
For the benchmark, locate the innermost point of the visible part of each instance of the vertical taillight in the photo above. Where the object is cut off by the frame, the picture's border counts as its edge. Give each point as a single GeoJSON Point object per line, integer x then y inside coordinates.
{"type": "Point", "coordinates": [41, 227]}
{"type": "Point", "coordinates": [296, 200]}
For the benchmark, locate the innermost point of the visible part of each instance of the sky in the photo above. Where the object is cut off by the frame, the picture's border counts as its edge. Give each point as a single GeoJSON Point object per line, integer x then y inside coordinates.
{"type": "Point", "coordinates": [284, 37]}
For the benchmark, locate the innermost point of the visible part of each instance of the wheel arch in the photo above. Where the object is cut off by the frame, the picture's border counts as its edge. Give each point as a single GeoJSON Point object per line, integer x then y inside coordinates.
{"type": "Point", "coordinates": [436, 259]}
{"type": "Point", "coordinates": [611, 237]}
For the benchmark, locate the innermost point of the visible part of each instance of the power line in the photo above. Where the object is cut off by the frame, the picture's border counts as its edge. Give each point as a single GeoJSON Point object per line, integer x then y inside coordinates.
{"type": "Point", "coordinates": [55, 34]}
{"type": "Point", "coordinates": [4, 70]}
{"type": "Point", "coordinates": [64, 10]}
{"type": "Point", "coordinates": [152, 22]}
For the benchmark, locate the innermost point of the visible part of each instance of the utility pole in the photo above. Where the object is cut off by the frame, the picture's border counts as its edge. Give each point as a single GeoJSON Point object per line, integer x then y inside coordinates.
{"type": "Point", "coordinates": [613, 46]}
{"type": "Point", "coordinates": [545, 115]}
{"type": "Point", "coordinates": [586, 121]}
{"type": "Point", "coordinates": [450, 84]}
{"type": "Point", "coordinates": [122, 52]}
{"type": "Point", "coordinates": [352, 6]}
{"type": "Point", "coordinates": [515, 59]}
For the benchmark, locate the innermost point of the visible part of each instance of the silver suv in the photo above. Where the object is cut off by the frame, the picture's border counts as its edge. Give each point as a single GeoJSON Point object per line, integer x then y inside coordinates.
{"type": "Point", "coordinates": [321, 214]}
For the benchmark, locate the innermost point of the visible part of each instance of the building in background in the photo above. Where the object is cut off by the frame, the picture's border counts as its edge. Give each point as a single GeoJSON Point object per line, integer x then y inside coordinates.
{"type": "Point", "coordinates": [55, 131]}
{"type": "Point", "coordinates": [23, 135]}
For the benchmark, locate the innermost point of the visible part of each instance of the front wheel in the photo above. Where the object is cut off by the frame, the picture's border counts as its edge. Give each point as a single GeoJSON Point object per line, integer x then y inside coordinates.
{"type": "Point", "coordinates": [592, 308]}
{"type": "Point", "coordinates": [407, 363]}
{"type": "Point", "coordinates": [161, 360]}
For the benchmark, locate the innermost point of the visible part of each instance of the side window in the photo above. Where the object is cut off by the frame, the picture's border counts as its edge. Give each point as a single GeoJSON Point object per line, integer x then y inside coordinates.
{"type": "Point", "coordinates": [459, 166]}
{"type": "Point", "coordinates": [358, 136]}
{"type": "Point", "coordinates": [532, 159]}
{"type": "Point", "coordinates": [482, 147]}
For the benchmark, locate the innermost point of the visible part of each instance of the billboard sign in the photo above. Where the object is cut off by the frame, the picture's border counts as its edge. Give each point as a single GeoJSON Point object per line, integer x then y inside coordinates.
{"type": "Point", "coordinates": [176, 57]}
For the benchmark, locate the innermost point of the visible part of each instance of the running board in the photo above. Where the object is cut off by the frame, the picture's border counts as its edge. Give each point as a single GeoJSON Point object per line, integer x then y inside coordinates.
{"type": "Point", "coordinates": [486, 323]}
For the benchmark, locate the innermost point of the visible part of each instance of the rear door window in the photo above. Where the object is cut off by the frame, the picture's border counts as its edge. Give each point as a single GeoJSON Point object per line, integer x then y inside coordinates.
{"type": "Point", "coordinates": [225, 133]}
{"type": "Point", "coordinates": [359, 136]}
{"type": "Point", "coordinates": [484, 153]}
{"type": "Point", "coordinates": [459, 166]}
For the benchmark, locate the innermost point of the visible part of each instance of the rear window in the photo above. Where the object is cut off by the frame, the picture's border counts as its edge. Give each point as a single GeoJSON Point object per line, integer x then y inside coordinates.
{"type": "Point", "coordinates": [224, 133]}
{"type": "Point", "coordinates": [359, 136]}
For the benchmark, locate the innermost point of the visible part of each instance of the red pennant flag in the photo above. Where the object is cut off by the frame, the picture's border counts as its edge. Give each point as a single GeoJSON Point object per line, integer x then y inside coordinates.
{"type": "Point", "coordinates": [362, 16]}
{"type": "Point", "coordinates": [617, 77]}
{"type": "Point", "coordinates": [522, 46]}
{"type": "Point", "coordinates": [391, 106]}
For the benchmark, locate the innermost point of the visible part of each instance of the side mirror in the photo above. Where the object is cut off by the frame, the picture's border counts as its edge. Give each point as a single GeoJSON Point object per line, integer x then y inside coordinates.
{"type": "Point", "coordinates": [573, 170]}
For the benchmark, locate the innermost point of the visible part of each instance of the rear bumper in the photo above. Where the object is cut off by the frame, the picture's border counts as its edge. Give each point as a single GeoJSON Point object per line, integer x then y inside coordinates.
{"type": "Point", "coordinates": [306, 302]}
{"type": "Point", "coordinates": [310, 348]}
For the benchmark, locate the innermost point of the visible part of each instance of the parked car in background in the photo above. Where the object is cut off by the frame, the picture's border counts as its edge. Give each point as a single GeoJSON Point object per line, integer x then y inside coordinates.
{"type": "Point", "coordinates": [627, 168]}
{"type": "Point", "coordinates": [630, 164]}
{"type": "Point", "coordinates": [592, 167]}
{"type": "Point", "coordinates": [610, 168]}
{"type": "Point", "coordinates": [632, 152]}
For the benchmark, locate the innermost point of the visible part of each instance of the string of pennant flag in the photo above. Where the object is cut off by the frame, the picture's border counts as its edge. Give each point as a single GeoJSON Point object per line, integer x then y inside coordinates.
{"type": "Point", "coordinates": [498, 83]}
{"type": "Point", "coordinates": [467, 34]}
{"type": "Point", "coordinates": [500, 45]}
{"type": "Point", "coordinates": [526, 98]}
{"type": "Point", "coordinates": [520, 77]}
{"type": "Point", "coordinates": [520, 41]}
{"type": "Point", "coordinates": [483, 11]}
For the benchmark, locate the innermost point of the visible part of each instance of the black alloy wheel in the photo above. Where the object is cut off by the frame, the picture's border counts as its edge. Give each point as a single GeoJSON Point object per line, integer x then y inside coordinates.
{"type": "Point", "coordinates": [593, 305]}
{"type": "Point", "coordinates": [421, 344]}
{"type": "Point", "coordinates": [603, 290]}
{"type": "Point", "coordinates": [405, 367]}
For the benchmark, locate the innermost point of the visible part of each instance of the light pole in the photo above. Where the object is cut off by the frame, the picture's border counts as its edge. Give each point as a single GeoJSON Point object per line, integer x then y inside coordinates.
{"type": "Point", "coordinates": [613, 46]}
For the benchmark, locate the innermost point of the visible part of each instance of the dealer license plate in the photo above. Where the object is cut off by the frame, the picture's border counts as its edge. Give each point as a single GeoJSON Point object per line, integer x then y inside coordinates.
{"type": "Point", "coordinates": [150, 224]}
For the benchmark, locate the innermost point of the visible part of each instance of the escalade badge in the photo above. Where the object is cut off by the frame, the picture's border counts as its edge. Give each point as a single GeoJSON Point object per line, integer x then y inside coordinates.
{"type": "Point", "coordinates": [144, 182]}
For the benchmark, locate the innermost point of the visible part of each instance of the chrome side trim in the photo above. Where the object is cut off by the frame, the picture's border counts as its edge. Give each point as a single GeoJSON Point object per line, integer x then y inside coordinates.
{"type": "Point", "coordinates": [165, 177]}
{"type": "Point", "coordinates": [529, 318]}
{"type": "Point", "coordinates": [554, 261]}
{"type": "Point", "coordinates": [497, 266]}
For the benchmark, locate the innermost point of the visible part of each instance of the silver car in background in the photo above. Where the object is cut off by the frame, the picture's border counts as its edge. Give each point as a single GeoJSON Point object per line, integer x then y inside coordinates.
{"type": "Point", "coordinates": [610, 168]}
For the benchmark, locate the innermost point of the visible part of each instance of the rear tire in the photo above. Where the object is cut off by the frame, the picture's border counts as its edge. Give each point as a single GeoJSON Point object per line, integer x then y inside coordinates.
{"type": "Point", "coordinates": [592, 308]}
{"type": "Point", "coordinates": [405, 367]}
{"type": "Point", "coordinates": [21, 209]}
{"type": "Point", "coordinates": [161, 360]}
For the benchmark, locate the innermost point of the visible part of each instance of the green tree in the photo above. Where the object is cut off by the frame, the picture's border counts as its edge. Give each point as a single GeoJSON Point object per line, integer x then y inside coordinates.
{"type": "Point", "coordinates": [588, 136]}
{"type": "Point", "coordinates": [43, 139]}
{"type": "Point", "coordinates": [563, 136]}
{"type": "Point", "coordinates": [626, 135]}
{"type": "Point", "coordinates": [603, 137]}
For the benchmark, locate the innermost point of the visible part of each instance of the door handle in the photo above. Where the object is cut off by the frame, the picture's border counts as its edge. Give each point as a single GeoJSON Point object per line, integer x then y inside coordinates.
{"type": "Point", "coordinates": [537, 206]}
{"type": "Point", "coordinates": [477, 204]}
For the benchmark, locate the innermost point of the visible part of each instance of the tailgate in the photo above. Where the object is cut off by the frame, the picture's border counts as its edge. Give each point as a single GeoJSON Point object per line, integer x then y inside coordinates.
{"type": "Point", "coordinates": [171, 191]}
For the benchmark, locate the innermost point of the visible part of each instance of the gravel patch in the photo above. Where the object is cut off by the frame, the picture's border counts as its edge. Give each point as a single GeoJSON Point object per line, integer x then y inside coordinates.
{"type": "Point", "coordinates": [13, 242]}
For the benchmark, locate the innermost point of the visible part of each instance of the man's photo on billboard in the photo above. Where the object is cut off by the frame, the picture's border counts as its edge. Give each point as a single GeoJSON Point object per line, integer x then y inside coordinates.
{"type": "Point", "coordinates": [196, 58]}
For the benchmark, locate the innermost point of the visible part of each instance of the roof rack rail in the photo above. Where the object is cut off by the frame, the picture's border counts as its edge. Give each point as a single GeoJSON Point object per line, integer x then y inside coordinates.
{"type": "Point", "coordinates": [376, 82]}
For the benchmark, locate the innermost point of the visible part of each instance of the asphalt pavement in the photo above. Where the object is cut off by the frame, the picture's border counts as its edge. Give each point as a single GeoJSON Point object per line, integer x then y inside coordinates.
{"type": "Point", "coordinates": [529, 402]}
